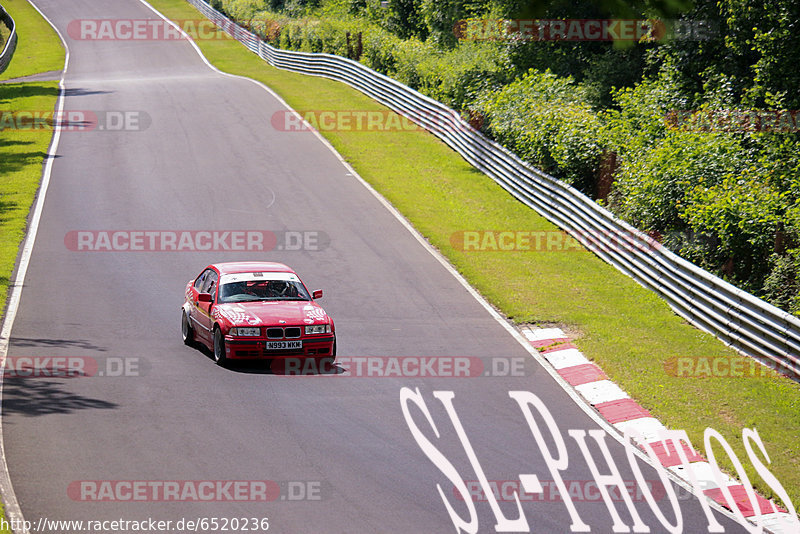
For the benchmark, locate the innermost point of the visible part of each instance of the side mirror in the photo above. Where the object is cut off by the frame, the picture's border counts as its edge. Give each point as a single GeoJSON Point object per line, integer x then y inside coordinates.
{"type": "Point", "coordinates": [204, 297]}
{"type": "Point", "coordinates": [317, 294]}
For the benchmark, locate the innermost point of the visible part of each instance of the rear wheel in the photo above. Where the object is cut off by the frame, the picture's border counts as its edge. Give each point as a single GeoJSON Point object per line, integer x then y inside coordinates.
{"type": "Point", "coordinates": [219, 347]}
{"type": "Point", "coordinates": [187, 332]}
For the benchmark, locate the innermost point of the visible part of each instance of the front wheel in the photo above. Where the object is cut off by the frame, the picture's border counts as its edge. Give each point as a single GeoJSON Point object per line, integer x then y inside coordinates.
{"type": "Point", "coordinates": [187, 332]}
{"type": "Point", "coordinates": [219, 348]}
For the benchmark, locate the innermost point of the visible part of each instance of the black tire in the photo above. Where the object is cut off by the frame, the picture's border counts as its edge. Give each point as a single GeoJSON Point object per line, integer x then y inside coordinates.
{"type": "Point", "coordinates": [187, 332]}
{"type": "Point", "coordinates": [219, 348]}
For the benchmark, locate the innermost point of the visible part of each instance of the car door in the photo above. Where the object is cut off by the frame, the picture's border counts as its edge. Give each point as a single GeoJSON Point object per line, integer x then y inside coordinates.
{"type": "Point", "coordinates": [195, 312]}
{"type": "Point", "coordinates": [204, 319]}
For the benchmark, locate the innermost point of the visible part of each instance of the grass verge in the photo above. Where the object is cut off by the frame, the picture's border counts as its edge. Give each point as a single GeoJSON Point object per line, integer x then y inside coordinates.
{"type": "Point", "coordinates": [38, 46]}
{"type": "Point", "coordinates": [21, 155]}
{"type": "Point", "coordinates": [4, 35]}
{"type": "Point", "coordinates": [22, 151]}
{"type": "Point", "coordinates": [630, 332]}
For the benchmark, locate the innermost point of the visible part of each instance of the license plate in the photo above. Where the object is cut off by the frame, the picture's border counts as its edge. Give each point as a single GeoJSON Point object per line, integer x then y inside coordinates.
{"type": "Point", "coordinates": [284, 345]}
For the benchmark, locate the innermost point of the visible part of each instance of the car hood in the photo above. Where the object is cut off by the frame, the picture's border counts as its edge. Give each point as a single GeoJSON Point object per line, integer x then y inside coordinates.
{"type": "Point", "coordinates": [268, 313]}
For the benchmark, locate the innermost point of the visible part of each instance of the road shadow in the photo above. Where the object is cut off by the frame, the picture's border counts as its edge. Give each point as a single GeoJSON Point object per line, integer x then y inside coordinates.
{"type": "Point", "coordinates": [11, 91]}
{"type": "Point", "coordinates": [300, 366]}
{"type": "Point", "coordinates": [80, 91]}
{"type": "Point", "coordinates": [281, 368]}
{"type": "Point", "coordinates": [35, 396]}
{"type": "Point", "coordinates": [5, 207]}
{"type": "Point", "coordinates": [12, 160]}
{"type": "Point", "coordinates": [17, 342]}
{"type": "Point", "coordinates": [13, 142]}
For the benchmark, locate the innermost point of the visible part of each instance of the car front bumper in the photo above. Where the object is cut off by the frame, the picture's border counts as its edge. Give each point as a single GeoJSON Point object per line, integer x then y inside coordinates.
{"type": "Point", "coordinates": [253, 349]}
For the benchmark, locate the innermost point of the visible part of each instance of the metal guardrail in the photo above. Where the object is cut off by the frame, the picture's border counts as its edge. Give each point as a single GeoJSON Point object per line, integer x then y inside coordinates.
{"type": "Point", "coordinates": [736, 317]}
{"type": "Point", "coordinates": [11, 43]}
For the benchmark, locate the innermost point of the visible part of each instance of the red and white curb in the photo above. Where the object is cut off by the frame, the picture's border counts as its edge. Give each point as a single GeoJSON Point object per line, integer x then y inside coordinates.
{"type": "Point", "coordinates": [625, 414]}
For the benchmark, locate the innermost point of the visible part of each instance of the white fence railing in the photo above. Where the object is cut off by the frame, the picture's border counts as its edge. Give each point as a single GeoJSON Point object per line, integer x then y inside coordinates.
{"type": "Point", "coordinates": [736, 317]}
{"type": "Point", "coordinates": [11, 43]}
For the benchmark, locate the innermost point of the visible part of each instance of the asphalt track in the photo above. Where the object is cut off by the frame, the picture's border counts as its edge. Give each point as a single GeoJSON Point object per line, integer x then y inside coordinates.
{"type": "Point", "coordinates": [209, 159]}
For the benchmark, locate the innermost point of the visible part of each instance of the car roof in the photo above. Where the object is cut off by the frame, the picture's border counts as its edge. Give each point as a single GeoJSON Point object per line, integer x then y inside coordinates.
{"type": "Point", "coordinates": [233, 267]}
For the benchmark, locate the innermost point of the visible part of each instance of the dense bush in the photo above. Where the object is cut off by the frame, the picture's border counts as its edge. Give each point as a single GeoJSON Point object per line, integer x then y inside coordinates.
{"type": "Point", "coordinates": [652, 185]}
{"type": "Point", "coordinates": [728, 200]}
{"type": "Point", "coordinates": [741, 213]}
{"type": "Point", "coordinates": [545, 119]}
{"type": "Point", "coordinates": [454, 77]}
{"type": "Point", "coordinates": [242, 10]}
{"type": "Point", "coordinates": [379, 50]}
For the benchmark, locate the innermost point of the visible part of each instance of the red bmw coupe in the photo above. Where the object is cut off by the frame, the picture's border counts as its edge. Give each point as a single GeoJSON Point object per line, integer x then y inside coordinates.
{"type": "Point", "coordinates": [256, 310]}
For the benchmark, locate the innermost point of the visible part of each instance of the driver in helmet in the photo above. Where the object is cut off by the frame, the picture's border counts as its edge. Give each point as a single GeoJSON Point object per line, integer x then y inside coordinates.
{"type": "Point", "coordinates": [282, 288]}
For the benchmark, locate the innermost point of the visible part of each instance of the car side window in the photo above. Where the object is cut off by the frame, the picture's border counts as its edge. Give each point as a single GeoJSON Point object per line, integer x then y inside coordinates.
{"type": "Point", "coordinates": [210, 285]}
{"type": "Point", "coordinates": [200, 282]}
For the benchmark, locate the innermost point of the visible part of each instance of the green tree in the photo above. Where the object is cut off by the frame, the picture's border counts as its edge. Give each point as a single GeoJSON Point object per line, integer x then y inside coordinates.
{"type": "Point", "coordinates": [406, 19]}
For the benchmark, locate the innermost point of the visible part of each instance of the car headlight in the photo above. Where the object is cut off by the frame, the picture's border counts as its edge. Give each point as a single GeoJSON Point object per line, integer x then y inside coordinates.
{"type": "Point", "coordinates": [318, 329]}
{"type": "Point", "coordinates": [245, 331]}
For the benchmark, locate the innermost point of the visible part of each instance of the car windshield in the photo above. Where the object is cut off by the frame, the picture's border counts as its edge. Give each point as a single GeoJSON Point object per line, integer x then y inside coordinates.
{"type": "Point", "coordinates": [255, 290]}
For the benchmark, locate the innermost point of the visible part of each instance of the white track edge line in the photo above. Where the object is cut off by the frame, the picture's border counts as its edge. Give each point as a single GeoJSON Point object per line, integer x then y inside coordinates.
{"type": "Point", "coordinates": [13, 512]}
